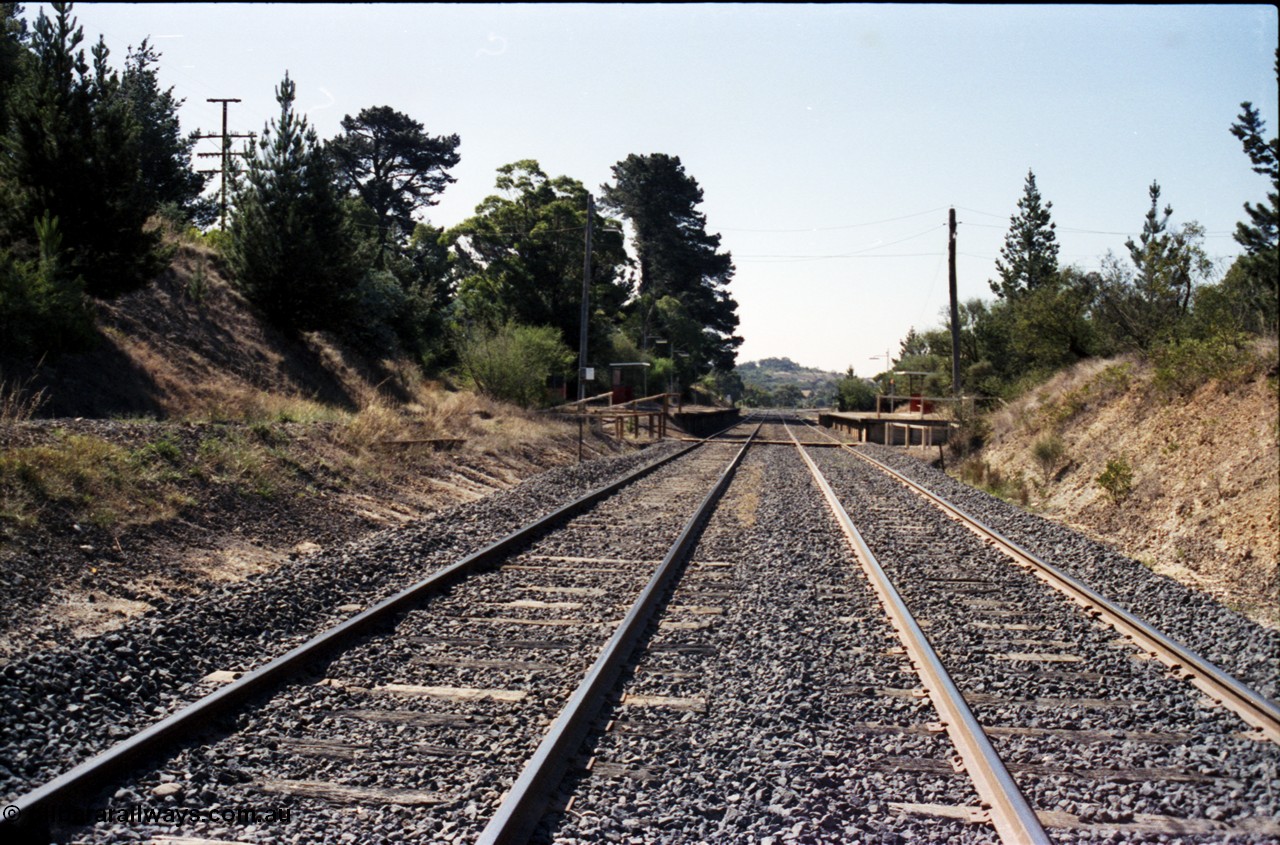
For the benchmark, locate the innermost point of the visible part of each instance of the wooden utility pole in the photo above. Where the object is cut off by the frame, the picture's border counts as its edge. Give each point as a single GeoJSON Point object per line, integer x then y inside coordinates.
{"type": "Point", "coordinates": [225, 153]}
{"type": "Point", "coordinates": [955, 306]}
{"type": "Point", "coordinates": [586, 299]}
{"type": "Point", "coordinates": [582, 329]}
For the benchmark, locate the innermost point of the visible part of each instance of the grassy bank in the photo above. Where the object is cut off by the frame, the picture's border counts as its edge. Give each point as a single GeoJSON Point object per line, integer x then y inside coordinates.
{"type": "Point", "coordinates": [1176, 465]}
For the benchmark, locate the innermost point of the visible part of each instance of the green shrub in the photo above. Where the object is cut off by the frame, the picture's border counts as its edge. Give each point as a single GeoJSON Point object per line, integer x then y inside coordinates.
{"type": "Point", "coordinates": [1112, 381]}
{"type": "Point", "coordinates": [1183, 366]}
{"type": "Point", "coordinates": [379, 300]}
{"type": "Point", "coordinates": [971, 431]}
{"type": "Point", "coordinates": [198, 283]}
{"type": "Point", "coordinates": [42, 304]}
{"type": "Point", "coordinates": [163, 449]}
{"type": "Point", "coordinates": [1117, 480]}
{"type": "Point", "coordinates": [512, 363]}
{"type": "Point", "coordinates": [1019, 491]}
{"type": "Point", "coordinates": [1068, 406]}
{"type": "Point", "coordinates": [974, 472]}
{"type": "Point", "coordinates": [1049, 452]}
{"type": "Point", "coordinates": [158, 462]}
{"type": "Point", "coordinates": [854, 393]}
{"type": "Point", "coordinates": [218, 240]}
{"type": "Point", "coordinates": [980, 474]}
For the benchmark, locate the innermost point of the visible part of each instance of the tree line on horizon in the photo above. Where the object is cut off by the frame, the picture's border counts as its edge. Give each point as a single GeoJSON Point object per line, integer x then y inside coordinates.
{"type": "Point", "coordinates": [328, 236]}
{"type": "Point", "coordinates": [1162, 299]}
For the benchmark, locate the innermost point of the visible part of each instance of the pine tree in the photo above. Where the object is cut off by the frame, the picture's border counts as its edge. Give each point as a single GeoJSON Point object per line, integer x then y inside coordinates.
{"type": "Point", "coordinates": [165, 154]}
{"type": "Point", "coordinates": [1029, 259]}
{"type": "Point", "coordinates": [1168, 262]}
{"type": "Point", "coordinates": [291, 251]}
{"type": "Point", "coordinates": [13, 55]}
{"type": "Point", "coordinates": [72, 153]}
{"type": "Point", "coordinates": [677, 257]}
{"type": "Point", "coordinates": [42, 307]}
{"type": "Point", "coordinates": [385, 158]}
{"type": "Point", "coordinates": [1255, 282]}
{"type": "Point", "coordinates": [1144, 305]}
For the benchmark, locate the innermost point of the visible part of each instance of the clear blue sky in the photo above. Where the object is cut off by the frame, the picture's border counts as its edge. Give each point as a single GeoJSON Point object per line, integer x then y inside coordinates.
{"type": "Point", "coordinates": [829, 140]}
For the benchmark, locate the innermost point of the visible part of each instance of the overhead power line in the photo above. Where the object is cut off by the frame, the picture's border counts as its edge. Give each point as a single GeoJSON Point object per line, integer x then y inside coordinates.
{"type": "Point", "coordinates": [836, 228]}
{"type": "Point", "coordinates": [1071, 230]}
{"type": "Point", "coordinates": [859, 253]}
{"type": "Point", "coordinates": [784, 259]}
{"type": "Point", "coordinates": [983, 213]}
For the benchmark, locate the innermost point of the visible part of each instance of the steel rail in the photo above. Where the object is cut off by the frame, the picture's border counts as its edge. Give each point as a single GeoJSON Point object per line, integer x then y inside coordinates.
{"type": "Point", "coordinates": [517, 817]}
{"type": "Point", "coordinates": [29, 816]}
{"type": "Point", "coordinates": [1007, 808]}
{"type": "Point", "coordinates": [1255, 709]}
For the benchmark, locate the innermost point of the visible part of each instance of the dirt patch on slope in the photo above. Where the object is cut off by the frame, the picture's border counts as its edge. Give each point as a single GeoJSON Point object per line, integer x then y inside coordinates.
{"type": "Point", "coordinates": [1204, 505]}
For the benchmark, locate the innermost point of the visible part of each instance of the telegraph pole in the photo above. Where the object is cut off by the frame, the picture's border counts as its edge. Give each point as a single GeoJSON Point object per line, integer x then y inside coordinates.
{"type": "Point", "coordinates": [586, 295]}
{"type": "Point", "coordinates": [225, 154]}
{"type": "Point", "coordinates": [582, 329]}
{"type": "Point", "coordinates": [955, 306]}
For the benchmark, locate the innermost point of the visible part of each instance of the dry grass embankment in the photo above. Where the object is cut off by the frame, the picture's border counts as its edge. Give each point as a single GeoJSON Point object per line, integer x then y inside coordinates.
{"type": "Point", "coordinates": [1189, 468]}
{"type": "Point", "coordinates": [99, 519]}
{"type": "Point", "coordinates": [196, 444]}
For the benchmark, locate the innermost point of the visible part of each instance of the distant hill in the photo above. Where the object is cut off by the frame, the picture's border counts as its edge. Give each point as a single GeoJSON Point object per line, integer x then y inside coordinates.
{"type": "Point", "coordinates": [771, 375]}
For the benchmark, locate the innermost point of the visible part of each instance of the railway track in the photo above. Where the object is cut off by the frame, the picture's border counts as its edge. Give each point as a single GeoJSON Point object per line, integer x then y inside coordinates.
{"type": "Point", "coordinates": [558, 596]}
{"type": "Point", "coordinates": [766, 638]}
{"type": "Point", "coordinates": [1102, 734]}
{"type": "Point", "coordinates": [1066, 733]}
{"type": "Point", "coordinates": [790, 713]}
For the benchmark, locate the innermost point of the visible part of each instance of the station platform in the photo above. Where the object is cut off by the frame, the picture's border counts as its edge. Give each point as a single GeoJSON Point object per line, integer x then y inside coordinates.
{"type": "Point", "coordinates": [911, 428]}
